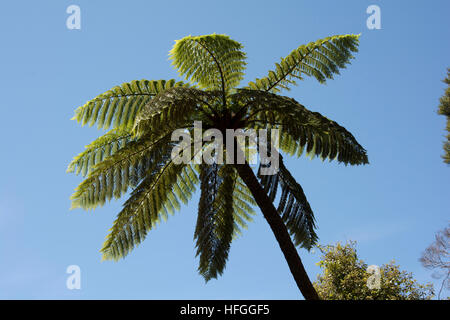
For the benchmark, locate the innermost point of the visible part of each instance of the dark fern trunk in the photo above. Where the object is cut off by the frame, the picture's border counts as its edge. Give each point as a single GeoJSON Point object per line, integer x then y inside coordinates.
{"type": "Point", "coordinates": [280, 231]}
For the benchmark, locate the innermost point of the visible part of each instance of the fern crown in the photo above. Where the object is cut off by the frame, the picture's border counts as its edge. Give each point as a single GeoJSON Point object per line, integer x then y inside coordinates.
{"type": "Point", "coordinates": [134, 156]}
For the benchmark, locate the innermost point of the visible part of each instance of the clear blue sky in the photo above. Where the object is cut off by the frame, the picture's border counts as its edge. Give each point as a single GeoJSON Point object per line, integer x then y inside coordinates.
{"type": "Point", "coordinates": [387, 98]}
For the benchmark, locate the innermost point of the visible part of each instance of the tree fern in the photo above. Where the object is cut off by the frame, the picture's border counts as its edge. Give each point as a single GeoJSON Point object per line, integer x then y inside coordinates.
{"type": "Point", "coordinates": [135, 154]}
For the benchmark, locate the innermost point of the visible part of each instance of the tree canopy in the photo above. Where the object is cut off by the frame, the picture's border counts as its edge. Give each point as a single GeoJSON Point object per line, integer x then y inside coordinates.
{"type": "Point", "coordinates": [345, 277]}
{"type": "Point", "coordinates": [444, 109]}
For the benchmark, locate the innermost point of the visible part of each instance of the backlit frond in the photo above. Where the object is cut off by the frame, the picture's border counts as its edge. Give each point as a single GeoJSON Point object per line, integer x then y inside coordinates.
{"type": "Point", "coordinates": [118, 107]}
{"type": "Point", "coordinates": [243, 203]}
{"type": "Point", "coordinates": [112, 176]}
{"type": "Point", "coordinates": [158, 195]}
{"type": "Point", "coordinates": [215, 221]}
{"type": "Point", "coordinates": [293, 206]}
{"type": "Point", "coordinates": [213, 61]}
{"type": "Point", "coordinates": [300, 129]}
{"type": "Point", "coordinates": [98, 150]}
{"type": "Point", "coordinates": [320, 59]}
{"type": "Point", "coordinates": [175, 108]}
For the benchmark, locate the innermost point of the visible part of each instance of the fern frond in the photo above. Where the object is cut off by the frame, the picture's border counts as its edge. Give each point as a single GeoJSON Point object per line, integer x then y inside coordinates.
{"type": "Point", "coordinates": [175, 108]}
{"type": "Point", "coordinates": [321, 60]}
{"type": "Point", "coordinates": [112, 176]}
{"type": "Point", "coordinates": [215, 61]}
{"type": "Point", "coordinates": [98, 150]}
{"type": "Point", "coordinates": [243, 203]}
{"type": "Point", "coordinates": [153, 199]}
{"type": "Point", "coordinates": [293, 206]}
{"type": "Point", "coordinates": [300, 129]}
{"type": "Point", "coordinates": [119, 106]}
{"type": "Point", "coordinates": [215, 221]}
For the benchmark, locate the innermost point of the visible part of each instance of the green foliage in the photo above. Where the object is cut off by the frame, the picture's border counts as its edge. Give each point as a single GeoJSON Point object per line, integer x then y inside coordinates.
{"type": "Point", "coordinates": [213, 61]}
{"type": "Point", "coordinates": [300, 128]}
{"type": "Point", "coordinates": [173, 109]}
{"type": "Point", "coordinates": [157, 196]}
{"type": "Point", "coordinates": [112, 176]}
{"type": "Point", "coordinates": [135, 155]}
{"type": "Point", "coordinates": [345, 277]}
{"type": "Point", "coordinates": [224, 206]}
{"type": "Point", "coordinates": [293, 206]}
{"type": "Point", "coordinates": [215, 221]}
{"type": "Point", "coordinates": [98, 150]}
{"type": "Point", "coordinates": [444, 109]}
{"type": "Point", "coordinates": [119, 106]}
{"type": "Point", "coordinates": [243, 203]}
{"type": "Point", "coordinates": [320, 59]}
